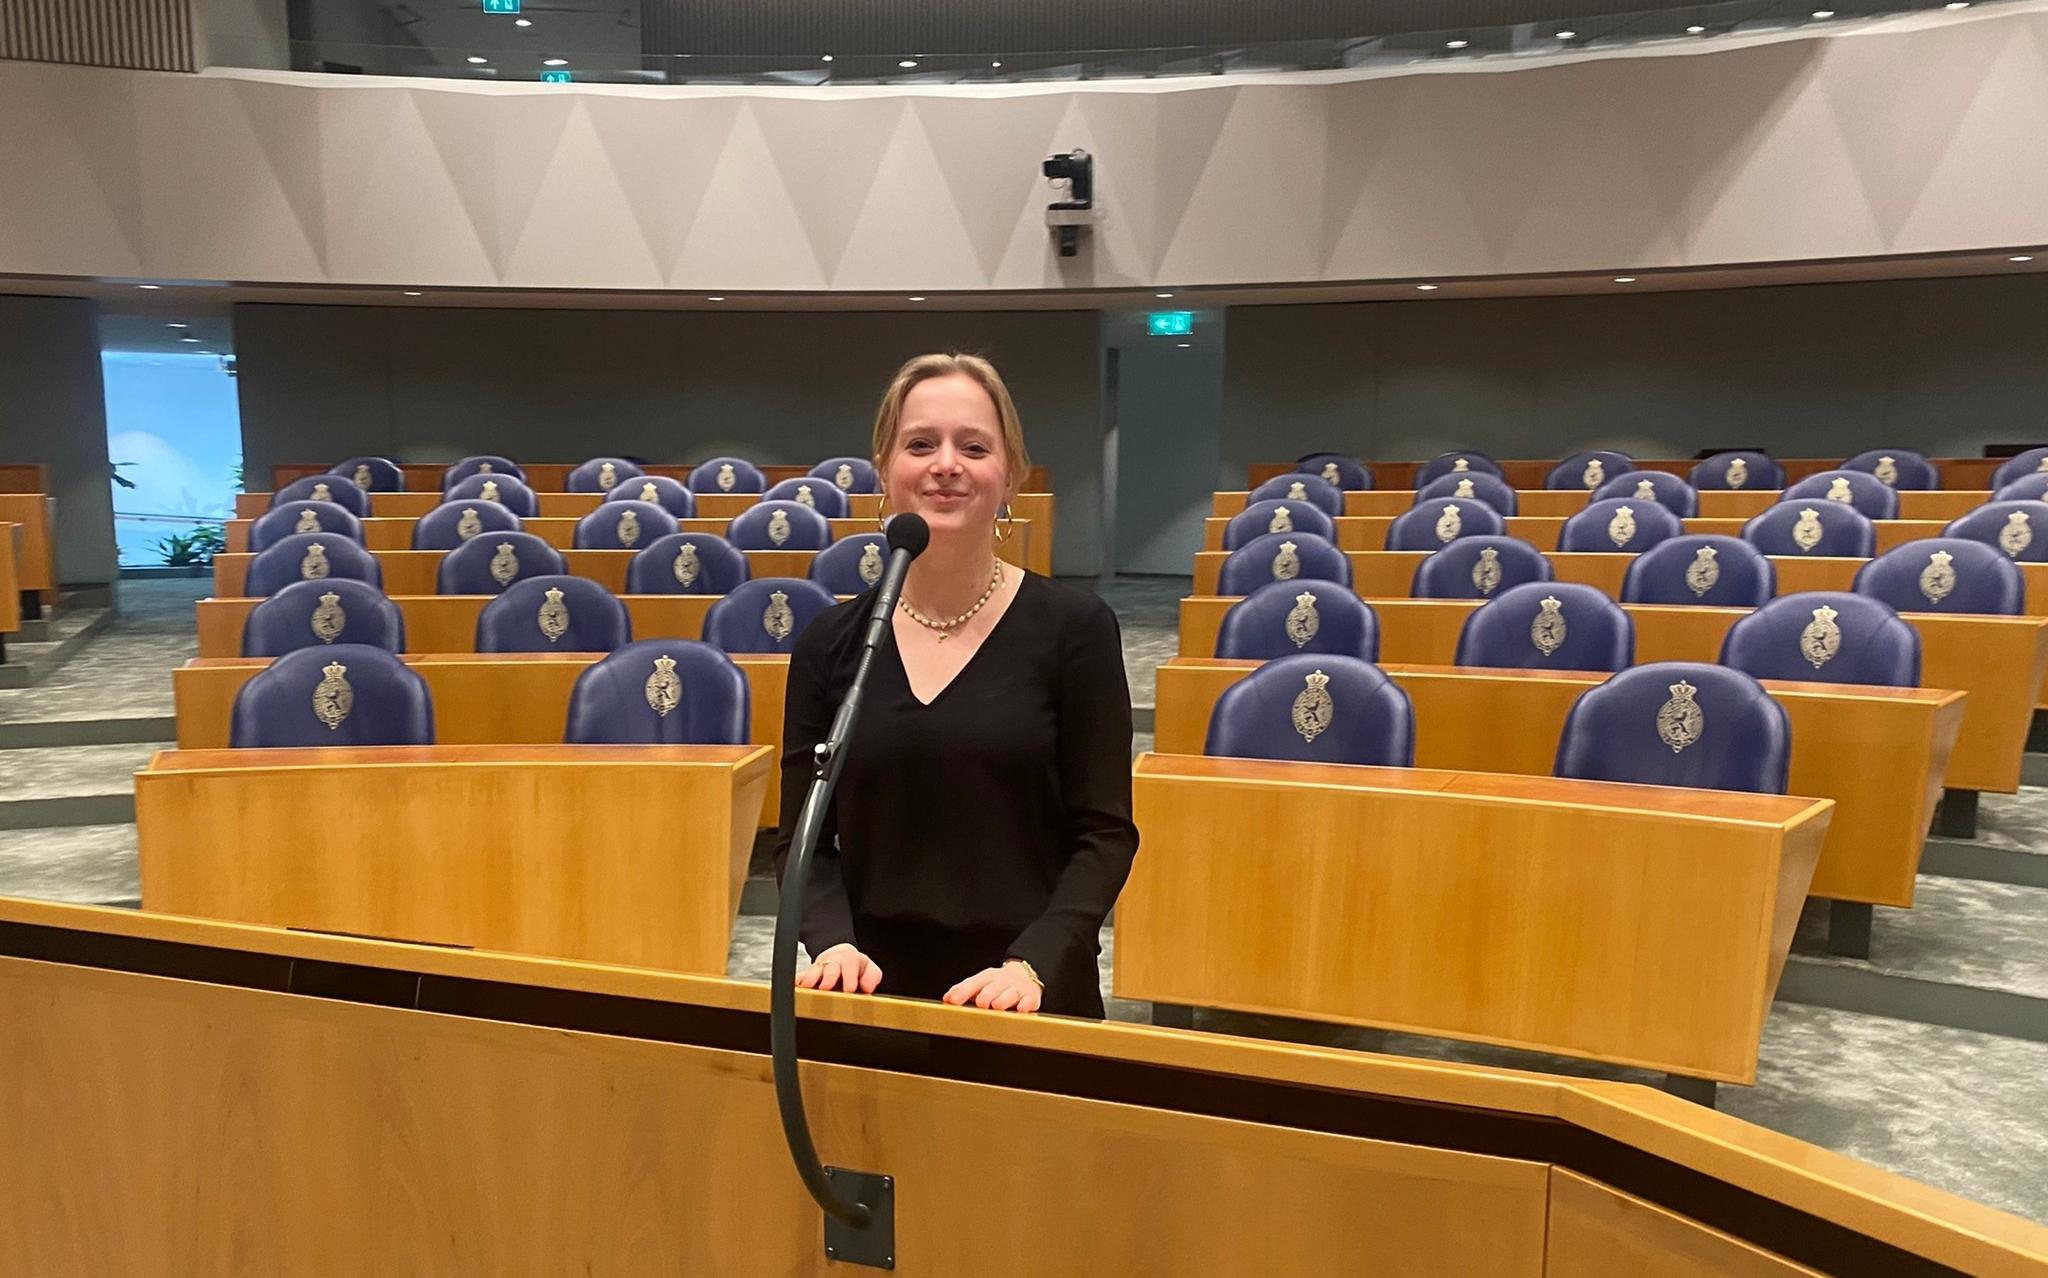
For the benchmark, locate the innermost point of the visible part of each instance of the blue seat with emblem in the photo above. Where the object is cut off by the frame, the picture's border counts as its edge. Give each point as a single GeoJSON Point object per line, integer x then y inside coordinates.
{"type": "Point", "coordinates": [1548, 625]}
{"type": "Point", "coordinates": [1282, 557]}
{"type": "Point", "coordinates": [310, 557]}
{"type": "Point", "coordinates": [779, 525]}
{"type": "Point", "coordinates": [1348, 474]}
{"type": "Point", "coordinates": [1701, 568]}
{"type": "Point", "coordinates": [2031, 486]}
{"type": "Point", "coordinates": [1283, 618]}
{"type": "Point", "coordinates": [601, 475]}
{"type": "Point", "coordinates": [346, 694]}
{"type": "Point", "coordinates": [623, 525]}
{"type": "Point", "coordinates": [815, 493]}
{"type": "Point", "coordinates": [1277, 516]}
{"type": "Point", "coordinates": [312, 614]}
{"type": "Point", "coordinates": [669, 494]}
{"type": "Point", "coordinates": [1588, 470]}
{"type": "Point", "coordinates": [851, 565]}
{"type": "Point", "coordinates": [1897, 468]}
{"type": "Point", "coordinates": [1456, 463]}
{"type": "Point", "coordinates": [1866, 492]}
{"type": "Point", "coordinates": [1443, 521]}
{"type": "Point", "coordinates": [2017, 528]}
{"type": "Point", "coordinates": [371, 474]}
{"type": "Point", "coordinates": [1472, 486]}
{"type": "Point", "coordinates": [1300, 486]}
{"type": "Point", "coordinates": [2031, 462]}
{"type": "Point", "coordinates": [283, 520]}
{"type": "Point", "coordinates": [1737, 470]}
{"type": "Point", "coordinates": [555, 613]}
{"type": "Point", "coordinates": [1681, 723]}
{"type": "Point", "coordinates": [687, 564]}
{"type": "Point", "coordinates": [487, 565]}
{"type": "Point", "coordinates": [726, 475]}
{"type": "Point", "coordinates": [1479, 568]}
{"type": "Point", "coordinates": [451, 523]}
{"type": "Point", "coordinates": [765, 614]}
{"type": "Point", "coordinates": [481, 464]}
{"type": "Point", "coordinates": [1660, 486]}
{"type": "Point", "coordinates": [1825, 636]}
{"type": "Point", "coordinates": [1945, 574]}
{"type": "Point", "coordinates": [1818, 529]}
{"type": "Point", "coordinates": [1618, 525]}
{"type": "Point", "coordinates": [1315, 708]}
{"type": "Point", "coordinates": [848, 474]}
{"type": "Point", "coordinates": [661, 692]}
{"type": "Point", "coordinates": [339, 489]}
{"type": "Point", "coordinates": [508, 492]}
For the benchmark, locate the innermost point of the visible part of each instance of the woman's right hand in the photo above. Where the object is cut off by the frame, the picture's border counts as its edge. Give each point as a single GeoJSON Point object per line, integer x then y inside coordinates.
{"type": "Point", "coordinates": [841, 967]}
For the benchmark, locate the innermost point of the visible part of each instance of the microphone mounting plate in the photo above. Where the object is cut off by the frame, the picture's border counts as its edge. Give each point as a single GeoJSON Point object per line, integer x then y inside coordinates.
{"type": "Point", "coordinates": [874, 1244]}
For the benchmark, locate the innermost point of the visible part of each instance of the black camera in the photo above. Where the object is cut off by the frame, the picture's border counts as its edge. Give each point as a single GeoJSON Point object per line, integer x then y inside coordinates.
{"type": "Point", "coordinates": [1077, 169]}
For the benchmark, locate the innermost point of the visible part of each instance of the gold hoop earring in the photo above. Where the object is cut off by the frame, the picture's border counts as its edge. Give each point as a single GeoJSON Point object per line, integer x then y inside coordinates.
{"type": "Point", "coordinates": [1005, 525]}
{"type": "Point", "coordinates": [882, 513]}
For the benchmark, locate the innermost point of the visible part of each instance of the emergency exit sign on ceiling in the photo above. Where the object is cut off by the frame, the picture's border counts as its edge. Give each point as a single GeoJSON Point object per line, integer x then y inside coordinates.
{"type": "Point", "coordinates": [501, 6]}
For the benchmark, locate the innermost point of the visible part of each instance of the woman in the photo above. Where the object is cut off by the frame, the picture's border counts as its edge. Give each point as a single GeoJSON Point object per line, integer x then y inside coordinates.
{"type": "Point", "coordinates": [981, 828]}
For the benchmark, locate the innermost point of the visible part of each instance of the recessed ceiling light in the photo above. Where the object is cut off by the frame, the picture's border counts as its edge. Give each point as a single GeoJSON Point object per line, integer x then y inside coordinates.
{"type": "Point", "coordinates": [1823, 13]}
{"type": "Point", "coordinates": [477, 61]}
{"type": "Point", "coordinates": [1456, 44]}
{"type": "Point", "coordinates": [188, 339]}
{"type": "Point", "coordinates": [1162, 295]}
{"type": "Point", "coordinates": [1624, 279]}
{"type": "Point", "coordinates": [412, 292]}
{"type": "Point", "coordinates": [1567, 35]}
{"type": "Point", "coordinates": [907, 63]}
{"type": "Point", "coordinates": [149, 286]}
{"type": "Point", "coordinates": [522, 22]}
{"type": "Point", "coordinates": [715, 299]}
{"type": "Point", "coordinates": [995, 64]}
{"type": "Point", "coordinates": [1185, 345]}
{"type": "Point", "coordinates": [917, 299]}
{"type": "Point", "coordinates": [826, 58]}
{"type": "Point", "coordinates": [1695, 29]}
{"type": "Point", "coordinates": [2020, 257]}
{"type": "Point", "coordinates": [554, 62]}
{"type": "Point", "coordinates": [177, 326]}
{"type": "Point", "coordinates": [1954, 5]}
{"type": "Point", "coordinates": [1425, 288]}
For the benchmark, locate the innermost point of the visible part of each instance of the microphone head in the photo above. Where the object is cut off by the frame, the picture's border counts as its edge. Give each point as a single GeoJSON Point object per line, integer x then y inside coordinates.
{"type": "Point", "coordinates": [907, 531]}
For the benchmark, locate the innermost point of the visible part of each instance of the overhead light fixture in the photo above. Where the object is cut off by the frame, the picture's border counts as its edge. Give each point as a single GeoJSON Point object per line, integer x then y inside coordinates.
{"type": "Point", "coordinates": [917, 299]}
{"type": "Point", "coordinates": [997, 65]}
{"type": "Point", "coordinates": [1823, 14]}
{"type": "Point", "coordinates": [149, 286]}
{"type": "Point", "coordinates": [177, 326]}
{"type": "Point", "coordinates": [412, 292]}
{"type": "Point", "coordinates": [1954, 5]}
{"type": "Point", "coordinates": [554, 62]}
{"type": "Point", "coordinates": [1695, 29]}
{"type": "Point", "coordinates": [907, 63]}
{"type": "Point", "coordinates": [1186, 346]}
{"type": "Point", "coordinates": [826, 58]}
{"type": "Point", "coordinates": [522, 22]}
{"type": "Point", "coordinates": [1456, 44]}
{"type": "Point", "coordinates": [476, 60]}
{"type": "Point", "coordinates": [188, 339]}
{"type": "Point", "coordinates": [2020, 257]}
{"type": "Point", "coordinates": [1425, 288]}
{"type": "Point", "coordinates": [1162, 296]}
{"type": "Point", "coordinates": [715, 299]}
{"type": "Point", "coordinates": [1567, 35]}
{"type": "Point", "coordinates": [1624, 279]}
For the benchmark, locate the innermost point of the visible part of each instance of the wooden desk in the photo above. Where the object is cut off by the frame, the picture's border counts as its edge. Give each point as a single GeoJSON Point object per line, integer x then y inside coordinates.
{"type": "Point", "coordinates": [1639, 925]}
{"type": "Point", "coordinates": [425, 477]}
{"type": "Point", "coordinates": [1879, 753]}
{"type": "Point", "coordinates": [1998, 661]}
{"type": "Point", "coordinates": [447, 623]}
{"type": "Point", "coordinates": [1958, 474]}
{"type": "Point", "coordinates": [519, 698]}
{"type": "Point", "coordinates": [1939, 505]}
{"type": "Point", "coordinates": [612, 854]}
{"type": "Point", "coordinates": [35, 563]}
{"type": "Point", "coordinates": [10, 583]}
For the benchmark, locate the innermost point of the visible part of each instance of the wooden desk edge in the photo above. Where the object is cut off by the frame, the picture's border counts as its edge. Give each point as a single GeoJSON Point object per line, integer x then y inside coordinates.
{"type": "Point", "coordinates": [745, 760]}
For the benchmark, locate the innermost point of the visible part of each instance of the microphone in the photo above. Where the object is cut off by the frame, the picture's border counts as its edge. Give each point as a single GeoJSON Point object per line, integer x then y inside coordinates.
{"type": "Point", "coordinates": [908, 535]}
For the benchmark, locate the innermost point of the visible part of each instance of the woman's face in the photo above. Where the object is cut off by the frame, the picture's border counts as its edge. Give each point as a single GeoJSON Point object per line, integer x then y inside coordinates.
{"type": "Point", "coordinates": [948, 463]}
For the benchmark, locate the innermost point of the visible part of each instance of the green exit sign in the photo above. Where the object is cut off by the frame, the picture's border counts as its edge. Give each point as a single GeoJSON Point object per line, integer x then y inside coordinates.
{"type": "Point", "coordinates": [1170, 323]}
{"type": "Point", "coordinates": [554, 77]}
{"type": "Point", "coordinates": [501, 6]}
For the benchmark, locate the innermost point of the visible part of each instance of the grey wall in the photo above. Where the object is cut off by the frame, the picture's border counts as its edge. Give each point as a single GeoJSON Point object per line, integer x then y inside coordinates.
{"type": "Point", "coordinates": [1816, 371]}
{"type": "Point", "coordinates": [323, 383]}
{"type": "Point", "coordinates": [1168, 446]}
{"type": "Point", "coordinates": [53, 410]}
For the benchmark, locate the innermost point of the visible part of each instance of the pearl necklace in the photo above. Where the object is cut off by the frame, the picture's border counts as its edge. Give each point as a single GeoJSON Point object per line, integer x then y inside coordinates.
{"type": "Point", "coordinates": [946, 628]}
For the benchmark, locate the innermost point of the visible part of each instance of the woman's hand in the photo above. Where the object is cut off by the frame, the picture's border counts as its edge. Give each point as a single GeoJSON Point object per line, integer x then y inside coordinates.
{"type": "Point", "coordinates": [841, 967]}
{"type": "Point", "coordinates": [1008, 988]}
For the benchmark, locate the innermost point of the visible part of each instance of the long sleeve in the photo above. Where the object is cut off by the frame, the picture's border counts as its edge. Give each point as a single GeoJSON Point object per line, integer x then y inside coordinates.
{"type": "Point", "coordinates": [808, 707]}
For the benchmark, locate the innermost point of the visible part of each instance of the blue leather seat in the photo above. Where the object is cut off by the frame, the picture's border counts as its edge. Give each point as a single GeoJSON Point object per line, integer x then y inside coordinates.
{"type": "Point", "coordinates": [2018, 528]}
{"type": "Point", "coordinates": [487, 565]}
{"type": "Point", "coordinates": [313, 614]}
{"type": "Point", "coordinates": [1270, 516]}
{"type": "Point", "coordinates": [310, 557]}
{"type": "Point", "coordinates": [1472, 486]}
{"type": "Point", "coordinates": [1282, 557]}
{"type": "Point", "coordinates": [1283, 618]}
{"type": "Point", "coordinates": [347, 694]}
{"type": "Point", "coordinates": [1825, 636]}
{"type": "Point", "coordinates": [1315, 708]}
{"type": "Point", "coordinates": [1721, 473]}
{"type": "Point", "coordinates": [2034, 461]}
{"type": "Point", "coordinates": [1346, 473]}
{"type": "Point", "coordinates": [1548, 625]}
{"type": "Point", "coordinates": [851, 565]}
{"type": "Point", "coordinates": [481, 464]}
{"type": "Point", "coordinates": [779, 525]}
{"type": "Point", "coordinates": [2028, 486]}
{"type": "Point", "coordinates": [1945, 574]}
{"type": "Point", "coordinates": [1300, 486]}
{"type": "Point", "coordinates": [848, 474]}
{"type": "Point", "coordinates": [1456, 463]}
{"type": "Point", "coordinates": [601, 475]}
{"type": "Point", "coordinates": [338, 489]}
{"type": "Point", "coordinates": [1681, 723]}
{"type": "Point", "coordinates": [1618, 526]}
{"type": "Point", "coordinates": [508, 492]}
{"type": "Point", "coordinates": [661, 692]}
{"type": "Point", "coordinates": [557, 613]}
{"type": "Point", "coordinates": [817, 494]}
{"type": "Point", "coordinates": [1660, 486]}
{"type": "Point", "coordinates": [451, 523]}
{"type": "Point", "coordinates": [372, 474]}
{"type": "Point", "coordinates": [1701, 568]}
{"type": "Point", "coordinates": [687, 564]}
{"type": "Point", "coordinates": [1443, 521]}
{"type": "Point", "coordinates": [765, 614]}
{"type": "Point", "coordinates": [1822, 529]}
{"type": "Point", "coordinates": [1897, 468]}
{"type": "Point", "coordinates": [1588, 470]}
{"type": "Point", "coordinates": [669, 494]}
{"type": "Point", "coordinates": [1866, 492]}
{"type": "Point", "coordinates": [726, 475]}
{"type": "Point", "coordinates": [623, 525]}
{"type": "Point", "coordinates": [281, 521]}
{"type": "Point", "coordinates": [1479, 568]}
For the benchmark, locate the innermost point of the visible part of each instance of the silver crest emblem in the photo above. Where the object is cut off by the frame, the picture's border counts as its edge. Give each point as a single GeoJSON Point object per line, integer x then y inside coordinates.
{"type": "Point", "coordinates": [664, 687]}
{"type": "Point", "coordinates": [1286, 564]}
{"type": "Point", "coordinates": [1449, 524]}
{"type": "Point", "coordinates": [490, 491]}
{"type": "Point", "coordinates": [1282, 521]}
{"type": "Point", "coordinates": [504, 564]}
{"type": "Point", "coordinates": [686, 566]}
{"type": "Point", "coordinates": [2043, 467]}
{"type": "Point", "coordinates": [1887, 471]}
{"type": "Point", "coordinates": [1806, 534]}
{"type": "Point", "coordinates": [333, 699]}
{"type": "Point", "coordinates": [1459, 464]}
{"type": "Point", "coordinates": [842, 479]}
{"type": "Point", "coordinates": [485, 468]}
{"type": "Point", "coordinates": [1622, 528]}
{"type": "Point", "coordinates": [776, 618]}
{"type": "Point", "coordinates": [1838, 490]}
{"type": "Point", "coordinates": [629, 527]}
{"type": "Point", "coordinates": [1822, 638]}
{"type": "Point", "coordinates": [2017, 534]}
{"type": "Point", "coordinates": [1304, 621]}
{"type": "Point", "coordinates": [1313, 708]}
{"type": "Point", "coordinates": [726, 478]}
{"type": "Point", "coordinates": [1738, 472]}
{"type": "Point", "coordinates": [804, 498]}
{"type": "Point", "coordinates": [328, 618]}
{"type": "Point", "coordinates": [1595, 474]}
{"type": "Point", "coordinates": [778, 526]}
{"type": "Point", "coordinates": [315, 566]}
{"type": "Point", "coordinates": [309, 521]}
{"type": "Point", "coordinates": [469, 525]}
{"type": "Point", "coordinates": [1703, 571]}
{"type": "Point", "coordinates": [362, 477]}
{"type": "Point", "coordinates": [1464, 489]}
{"type": "Point", "coordinates": [1645, 490]}
{"type": "Point", "coordinates": [870, 566]}
{"type": "Point", "coordinates": [322, 492]}
{"type": "Point", "coordinates": [1547, 630]}
{"type": "Point", "coordinates": [607, 477]}
{"type": "Point", "coordinates": [1938, 578]}
{"type": "Point", "coordinates": [554, 615]}
{"type": "Point", "coordinates": [1332, 475]}
{"type": "Point", "coordinates": [1297, 491]}
{"type": "Point", "coordinates": [1486, 572]}
{"type": "Point", "coordinates": [648, 492]}
{"type": "Point", "coordinates": [1680, 721]}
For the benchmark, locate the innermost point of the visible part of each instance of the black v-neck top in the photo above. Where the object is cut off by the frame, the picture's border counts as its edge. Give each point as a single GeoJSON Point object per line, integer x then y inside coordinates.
{"type": "Point", "coordinates": [994, 822]}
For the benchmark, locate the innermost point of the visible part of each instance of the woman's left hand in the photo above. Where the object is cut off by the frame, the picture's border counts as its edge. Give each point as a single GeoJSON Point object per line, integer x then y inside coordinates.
{"type": "Point", "coordinates": [1004, 989]}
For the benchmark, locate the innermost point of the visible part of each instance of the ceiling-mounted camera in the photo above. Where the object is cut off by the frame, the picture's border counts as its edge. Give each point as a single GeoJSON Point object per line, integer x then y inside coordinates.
{"type": "Point", "coordinates": [1075, 170]}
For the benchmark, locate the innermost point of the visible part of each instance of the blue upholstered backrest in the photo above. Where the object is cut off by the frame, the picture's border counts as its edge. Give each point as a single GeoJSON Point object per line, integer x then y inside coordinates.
{"type": "Point", "coordinates": [481, 464]}
{"type": "Point", "coordinates": [851, 565]}
{"type": "Point", "coordinates": [339, 489]}
{"type": "Point", "coordinates": [1347, 473]}
{"type": "Point", "coordinates": [2031, 462]}
{"type": "Point", "coordinates": [486, 565]}
{"type": "Point", "coordinates": [1588, 470]}
{"type": "Point", "coordinates": [726, 475]}
{"type": "Point", "coordinates": [347, 694]}
{"type": "Point", "coordinates": [1300, 485]}
{"type": "Point", "coordinates": [1262, 517]}
{"type": "Point", "coordinates": [1897, 468]}
{"type": "Point", "coordinates": [1864, 491]}
{"type": "Point", "coordinates": [859, 474]}
{"type": "Point", "coordinates": [1283, 618]}
{"type": "Point", "coordinates": [607, 527]}
{"type": "Point", "coordinates": [1945, 574]}
{"type": "Point", "coordinates": [1825, 636]}
{"type": "Point", "coordinates": [1281, 557]}
{"type": "Point", "coordinates": [1813, 528]}
{"type": "Point", "coordinates": [799, 527]}
{"type": "Point", "coordinates": [818, 494]}
{"type": "Point", "coordinates": [1479, 568]}
{"type": "Point", "coordinates": [1718, 472]}
{"type": "Point", "coordinates": [2026, 486]}
{"type": "Point", "coordinates": [1680, 723]}
{"type": "Point", "coordinates": [592, 476]}
{"type": "Point", "coordinates": [1315, 708]}
{"type": "Point", "coordinates": [442, 527]}
{"type": "Point", "coordinates": [1618, 525]}
{"type": "Point", "coordinates": [660, 692]}
{"type": "Point", "coordinates": [1443, 521]}
{"type": "Point", "coordinates": [1701, 568]}
{"type": "Point", "coordinates": [511, 493]}
{"type": "Point", "coordinates": [290, 517]}
{"type": "Point", "coordinates": [383, 474]}
{"type": "Point", "coordinates": [1456, 463]}
{"type": "Point", "coordinates": [314, 614]}
{"type": "Point", "coordinates": [310, 557]}
{"type": "Point", "coordinates": [687, 564]}
{"type": "Point", "coordinates": [669, 494]}
{"type": "Point", "coordinates": [1660, 486]}
{"type": "Point", "coordinates": [1473, 486]}
{"type": "Point", "coordinates": [1580, 629]}
{"type": "Point", "coordinates": [765, 614]}
{"type": "Point", "coordinates": [2019, 529]}
{"type": "Point", "coordinates": [554, 614]}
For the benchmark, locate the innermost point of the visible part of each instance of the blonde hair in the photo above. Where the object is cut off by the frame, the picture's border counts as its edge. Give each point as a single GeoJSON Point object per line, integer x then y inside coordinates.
{"type": "Point", "coordinates": [889, 416]}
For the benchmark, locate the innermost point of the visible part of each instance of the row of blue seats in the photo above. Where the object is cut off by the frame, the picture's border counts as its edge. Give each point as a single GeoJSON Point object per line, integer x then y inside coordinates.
{"type": "Point", "coordinates": [604, 474]}
{"type": "Point", "coordinates": [1736, 469]}
{"type": "Point", "coordinates": [615, 525]}
{"type": "Point", "coordinates": [516, 496]}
